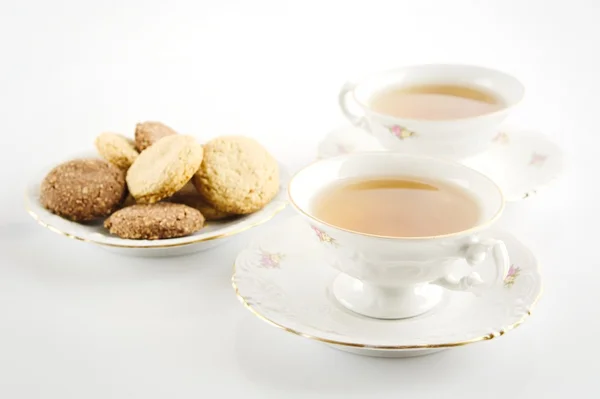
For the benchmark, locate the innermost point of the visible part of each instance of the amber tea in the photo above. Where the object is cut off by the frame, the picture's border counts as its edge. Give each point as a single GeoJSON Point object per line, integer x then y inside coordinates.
{"type": "Point", "coordinates": [435, 102]}
{"type": "Point", "coordinates": [397, 207]}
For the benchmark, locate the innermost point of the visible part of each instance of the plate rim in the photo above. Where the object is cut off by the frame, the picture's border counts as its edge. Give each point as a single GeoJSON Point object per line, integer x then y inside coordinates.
{"type": "Point", "coordinates": [56, 230]}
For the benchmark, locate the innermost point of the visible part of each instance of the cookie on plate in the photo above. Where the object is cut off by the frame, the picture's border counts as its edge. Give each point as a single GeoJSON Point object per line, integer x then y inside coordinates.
{"type": "Point", "coordinates": [128, 201]}
{"type": "Point", "coordinates": [189, 196]}
{"type": "Point", "coordinates": [83, 189]}
{"type": "Point", "coordinates": [116, 149]}
{"type": "Point", "coordinates": [237, 175]}
{"type": "Point", "coordinates": [148, 133]}
{"type": "Point", "coordinates": [164, 168]}
{"type": "Point", "coordinates": [154, 221]}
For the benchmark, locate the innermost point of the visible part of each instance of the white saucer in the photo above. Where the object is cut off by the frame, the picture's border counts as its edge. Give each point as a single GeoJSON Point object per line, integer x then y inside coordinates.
{"type": "Point", "coordinates": [521, 162]}
{"type": "Point", "coordinates": [213, 234]}
{"type": "Point", "coordinates": [282, 279]}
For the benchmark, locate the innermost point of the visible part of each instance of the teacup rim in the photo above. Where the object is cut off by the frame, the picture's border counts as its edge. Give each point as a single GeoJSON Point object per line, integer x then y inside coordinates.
{"type": "Point", "coordinates": [504, 109]}
{"type": "Point", "coordinates": [488, 222]}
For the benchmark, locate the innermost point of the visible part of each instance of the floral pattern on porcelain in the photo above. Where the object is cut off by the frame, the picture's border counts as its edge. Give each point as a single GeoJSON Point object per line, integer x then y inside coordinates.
{"type": "Point", "coordinates": [501, 138]}
{"type": "Point", "coordinates": [537, 159]}
{"type": "Point", "coordinates": [343, 149]}
{"type": "Point", "coordinates": [511, 276]}
{"type": "Point", "coordinates": [400, 132]}
{"type": "Point", "coordinates": [270, 260]}
{"type": "Point", "coordinates": [324, 237]}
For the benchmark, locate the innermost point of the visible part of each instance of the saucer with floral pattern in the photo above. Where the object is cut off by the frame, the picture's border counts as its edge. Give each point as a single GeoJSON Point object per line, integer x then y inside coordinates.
{"type": "Point", "coordinates": [520, 161]}
{"type": "Point", "coordinates": [283, 279]}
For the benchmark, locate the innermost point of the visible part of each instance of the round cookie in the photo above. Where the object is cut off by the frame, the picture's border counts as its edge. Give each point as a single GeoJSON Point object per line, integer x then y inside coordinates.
{"type": "Point", "coordinates": [164, 168]}
{"type": "Point", "coordinates": [148, 133]}
{"type": "Point", "coordinates": [116, 149]}
{"type": "Point", "coordinates": [128, 201]}
{"type": "Point", "coordinates": [237, 175]}
{"type": "Point", "coordinates": [83, 189]}
{"type": "Point", "coordinates": [189, 196]}
{"type": "Point", "coordinates": [155, 221]}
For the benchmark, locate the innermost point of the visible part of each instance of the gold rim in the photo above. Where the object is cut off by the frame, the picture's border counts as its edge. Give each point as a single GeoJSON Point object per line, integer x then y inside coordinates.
{"type": "Point", "coordinates": [486, 337]}
{"type": "Point", "coordinates": [281, 206]}
{"type": "Point", "coordinates": [471, 230]}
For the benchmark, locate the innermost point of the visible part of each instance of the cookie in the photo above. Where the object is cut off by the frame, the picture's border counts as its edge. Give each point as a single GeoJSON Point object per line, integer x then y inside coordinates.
{"type": "Point", "coordinates": [237, 175]}
{"type": "Point", "coordinates": [128, 201]}
{"type": "Point", "coordinates": [116, 149]}
{"type": "Point", "coordinates": [189, 196]}
{"type": "Point", "coordinates": [148, 133]}
{"type": "Point", "coordinates": [155, 221]}
{"type": "Point", "coordinates": [83, 189]}
{"type": "Point", "coordinates": [164, 168]}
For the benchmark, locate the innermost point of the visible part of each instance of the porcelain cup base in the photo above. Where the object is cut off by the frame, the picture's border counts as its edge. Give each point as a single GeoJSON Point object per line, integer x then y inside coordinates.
{"type": "Point", "coordinates": [381, 302]}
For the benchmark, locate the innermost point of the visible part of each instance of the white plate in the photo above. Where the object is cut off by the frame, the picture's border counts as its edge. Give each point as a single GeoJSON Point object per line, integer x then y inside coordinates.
{"type": "Point", "coordinates": [213, 234]}
{"type": "Point", "coordinates": [521, 162]}
{"type": "Point", "coordinates": [282, 279]}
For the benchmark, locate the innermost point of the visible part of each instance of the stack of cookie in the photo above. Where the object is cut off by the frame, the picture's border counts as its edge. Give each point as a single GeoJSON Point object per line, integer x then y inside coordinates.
{"type": "Point", "coordinates": [174, 183]}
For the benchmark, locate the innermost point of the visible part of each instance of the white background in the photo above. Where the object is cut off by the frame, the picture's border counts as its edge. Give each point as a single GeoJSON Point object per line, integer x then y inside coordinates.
{"type": "Point", "coordinates": [77, 322]}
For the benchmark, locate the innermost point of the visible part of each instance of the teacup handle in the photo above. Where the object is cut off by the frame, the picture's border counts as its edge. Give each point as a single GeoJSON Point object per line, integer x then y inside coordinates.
{"type": "Point", "coordinates": [474, 254]}
{"type": "Point", "coordinates": [344, 100]}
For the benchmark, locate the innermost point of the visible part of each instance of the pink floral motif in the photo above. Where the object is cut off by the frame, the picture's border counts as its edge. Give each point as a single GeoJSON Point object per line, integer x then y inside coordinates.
{"type": "Point", "coordinates": [270, 260]}
{"type": "Point", "coordinates": [501, 138]}
{"type": "Point", "coordinates": [537, 159]}
{"type": "Point", "coordinates": [511, 276]}
{"type": "Point", "coordinates": [342, 149]}
{"type": "Point", "coordinates": [400, 132]}
{"type": "Point", "coordinates": [323, 237]}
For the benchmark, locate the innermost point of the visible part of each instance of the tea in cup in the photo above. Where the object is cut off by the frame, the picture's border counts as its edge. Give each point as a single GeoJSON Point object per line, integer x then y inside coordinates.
{"type": "Point", "coordinates": [452, 111]}
{"type": "Point", "coordinates": [397, 226]}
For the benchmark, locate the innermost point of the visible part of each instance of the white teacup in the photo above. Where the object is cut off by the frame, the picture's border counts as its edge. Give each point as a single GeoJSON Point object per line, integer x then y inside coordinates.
{"type": "Point", "coordinates": [388, 277]}
{"type": "Point", "coordinates": [453, 138]}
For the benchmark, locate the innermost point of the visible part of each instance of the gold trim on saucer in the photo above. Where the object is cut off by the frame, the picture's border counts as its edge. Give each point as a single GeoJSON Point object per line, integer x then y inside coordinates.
{"type": "Point", "coordinates": [485, 337]}
{"type": "Point", "coordinates": [281, 207]}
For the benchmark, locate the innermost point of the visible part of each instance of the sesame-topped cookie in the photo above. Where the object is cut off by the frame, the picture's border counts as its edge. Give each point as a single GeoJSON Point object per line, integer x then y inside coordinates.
{"type": "Point", "coordinates": [189, 196]}
{"type": "Point", "coordinates": [116, 149]}
{"type": "Point", "coordinates": [148, 133]}
{"type": "Point", "coordinates": [237, 175]}
{"type": "Point", "coordinates": [83, 189]}
{"type": "Point", "coordinates": [154, 221]}
{"type": "Point", "coordinates": [164, 168]}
